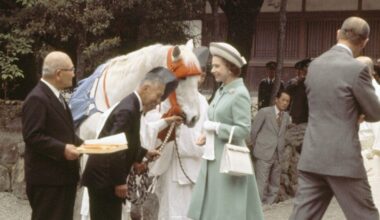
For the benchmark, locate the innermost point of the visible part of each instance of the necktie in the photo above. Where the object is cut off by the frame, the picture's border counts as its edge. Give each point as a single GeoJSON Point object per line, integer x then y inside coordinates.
{"type": "Point", "coordinates": [62, 100]}
{"type": "Point", "coordinates": [279, 118]}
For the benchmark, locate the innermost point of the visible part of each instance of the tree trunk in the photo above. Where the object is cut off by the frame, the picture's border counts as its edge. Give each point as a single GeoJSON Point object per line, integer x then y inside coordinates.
{"type": "Point", "coordinates": [216, 33]}
{"type": "Point", "coordinates": [241, 19]}
{"type": "Point", "coordinates": [80, 65]}
{"type": "Point", "coordinates": [280, 49]}
{"type": "Point", "coordinates": [4, 87]}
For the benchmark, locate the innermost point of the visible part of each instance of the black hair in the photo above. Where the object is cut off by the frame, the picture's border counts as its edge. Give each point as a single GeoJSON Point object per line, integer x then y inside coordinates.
{"type": "Point", "coordinates": [162, 75]}
{"type": "Point", "coordinates": [280, 92]}
{"type": "Point", "coordinates": [376, 69]}
{"type": "Point", "coordinates": [303, 63]}
{"type": "Point", "coordinates": [271, 65]}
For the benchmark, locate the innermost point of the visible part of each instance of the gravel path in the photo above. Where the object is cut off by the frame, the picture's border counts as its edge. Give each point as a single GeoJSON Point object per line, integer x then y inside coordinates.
{"type": "Point", "coordinates": [12, 208]}
{"type": "Point", "coordinates": [283, 210]}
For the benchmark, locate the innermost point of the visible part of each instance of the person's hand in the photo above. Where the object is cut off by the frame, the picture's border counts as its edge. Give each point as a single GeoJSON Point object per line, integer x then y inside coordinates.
{"type": "Point", "coordinates": [211, 125]}
{"type": "Point", "coordinates": [71, 152]}
{"type": "Point", "coordinates": [152, 155]}
{"type": "Point", "coordinates": [140, 167]}
{"type": "Point", "coordinates": [361, 118]}
{"type": "Point", "coordinates": [175, 118]}
{"type": "Point", "coordinates": [201, 140]}
{"type": "Point", "coordinates": [121, 191]}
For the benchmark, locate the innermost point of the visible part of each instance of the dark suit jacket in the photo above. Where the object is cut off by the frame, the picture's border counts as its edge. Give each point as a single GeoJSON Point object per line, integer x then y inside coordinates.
{"type": "Point", "coordinates": [338, 89]}
{"type": "Point", "coordinates": [47, 127]}
{"type": "Point", "coordinates": [109, 170]}
{"type": "Point", "coordinates": [298, 108]}
{"type": "Point", "coordinates": [265, 90]}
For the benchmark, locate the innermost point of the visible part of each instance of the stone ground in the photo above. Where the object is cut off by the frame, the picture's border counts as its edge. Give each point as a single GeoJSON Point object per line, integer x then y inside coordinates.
{"type": "Point", "coordinates": [12, 208]}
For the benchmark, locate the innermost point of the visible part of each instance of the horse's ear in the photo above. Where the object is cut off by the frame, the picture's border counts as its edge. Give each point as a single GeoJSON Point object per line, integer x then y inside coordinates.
{"type": "Point", "coordinates": [190, 44]}
{"type": "Point", "coordinates": [176, 54]}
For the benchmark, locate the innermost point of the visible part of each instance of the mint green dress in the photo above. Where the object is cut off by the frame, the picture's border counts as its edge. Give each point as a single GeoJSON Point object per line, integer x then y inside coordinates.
{"type": "Point", "coordinates": [219, 196]}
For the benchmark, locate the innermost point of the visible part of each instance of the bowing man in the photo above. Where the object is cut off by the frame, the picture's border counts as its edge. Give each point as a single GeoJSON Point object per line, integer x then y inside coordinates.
{"type": "Point", "coordinates": [105, 175]}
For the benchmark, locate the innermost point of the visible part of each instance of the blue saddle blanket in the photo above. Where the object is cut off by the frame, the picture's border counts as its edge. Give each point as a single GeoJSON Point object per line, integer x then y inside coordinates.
{"type": "Point", "coordinates": [80, 101]}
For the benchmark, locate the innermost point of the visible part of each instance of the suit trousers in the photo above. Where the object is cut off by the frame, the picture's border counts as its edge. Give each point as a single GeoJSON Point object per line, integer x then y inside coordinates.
{"type": "Point", "coordinates": [315, 192]}
{"type": "Point", "coordinates": [104, 204]}
{"type": "Point", "coordinates": [268, 177]}
{"type": "Point", "coordinates": [51, 202]}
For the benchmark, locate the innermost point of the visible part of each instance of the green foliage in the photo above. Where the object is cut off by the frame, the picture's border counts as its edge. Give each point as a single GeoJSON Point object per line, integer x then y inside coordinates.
{"type": "Point", "coordinates": [12, 45]}
{"type": "Point", "coordinates": [163, 21]}
{"type": "Point", "coordinates": [90, 31]}
{"type": "Point", "coordinates": [100, 51]}
{"type": "Point", "coordinates": [26, 3]}
{"type": "Point", "coordinates": [66, 19]}
{"type": "Point", "coordinates": [96, 48]}
{"type": "Point", "coordinates": [76, 26]}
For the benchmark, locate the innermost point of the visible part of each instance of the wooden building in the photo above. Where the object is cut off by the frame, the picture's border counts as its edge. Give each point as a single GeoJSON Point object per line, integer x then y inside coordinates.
{"type": "Point", "coordinates": [311, 30]}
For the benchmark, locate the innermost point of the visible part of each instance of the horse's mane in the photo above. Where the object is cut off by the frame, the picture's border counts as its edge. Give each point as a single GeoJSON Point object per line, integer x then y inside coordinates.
{"type": "Point", "coordinates": [147, 58]}
{"type": "Point", "coordinates": [129, 70]}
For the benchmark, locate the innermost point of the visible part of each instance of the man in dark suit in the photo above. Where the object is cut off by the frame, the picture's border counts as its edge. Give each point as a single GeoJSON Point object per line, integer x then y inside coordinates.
{"type": "Point", "coordinates": [51, 165]}
{"type": "Point", "coordinates": [299, 108]}
{"type": "Point", "coordinates": [268, 144]}
{"type": "Point", "coordinates": [266, 85]}
{"type": "Point", "coordinates": [339, 90]}
{"type": "Point", "coordinates": [105, 175]}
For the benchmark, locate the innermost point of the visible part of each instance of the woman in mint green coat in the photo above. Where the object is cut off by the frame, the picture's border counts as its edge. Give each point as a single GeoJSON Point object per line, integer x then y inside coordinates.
{"type": "Point", "coordinates": [218, 196]}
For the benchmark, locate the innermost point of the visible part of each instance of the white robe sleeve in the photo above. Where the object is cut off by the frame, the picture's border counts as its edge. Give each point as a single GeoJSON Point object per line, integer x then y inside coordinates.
{"type": "Point", "coordinates": [151, 124]}
{"type": "Point", "coordinates": [187, 137]}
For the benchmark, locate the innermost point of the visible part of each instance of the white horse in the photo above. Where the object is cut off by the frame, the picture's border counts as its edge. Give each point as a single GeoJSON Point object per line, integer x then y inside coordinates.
{"type": "Point", "coordinates": [121, 75]}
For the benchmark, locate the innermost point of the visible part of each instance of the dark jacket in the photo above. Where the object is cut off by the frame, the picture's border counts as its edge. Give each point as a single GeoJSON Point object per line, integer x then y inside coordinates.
{"type": "Point", "coordinates": [298, 108]}
{"type": "Point", "coordinates": [265, 91]}
{"type": "Point", "coordinates": [109, 170]}
{"type": "Point", "coordinates": [47, 127]}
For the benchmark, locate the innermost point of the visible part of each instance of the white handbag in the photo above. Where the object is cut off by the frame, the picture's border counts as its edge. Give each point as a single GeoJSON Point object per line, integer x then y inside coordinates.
{"type": "Point", "coordinates": [236, 160]}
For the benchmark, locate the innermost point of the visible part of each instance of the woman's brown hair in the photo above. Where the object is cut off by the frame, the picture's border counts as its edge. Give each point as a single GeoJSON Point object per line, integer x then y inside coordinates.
{"type": "Point", "coordinates": [236, 71]}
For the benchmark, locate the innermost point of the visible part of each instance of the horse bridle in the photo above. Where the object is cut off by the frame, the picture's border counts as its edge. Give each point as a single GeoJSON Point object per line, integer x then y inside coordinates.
{"type": "Point", "coordinates": [181, 71]}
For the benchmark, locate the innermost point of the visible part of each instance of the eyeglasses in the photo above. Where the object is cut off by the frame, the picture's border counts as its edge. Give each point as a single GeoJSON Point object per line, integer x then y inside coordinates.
{"type": "Point", "coordinates": [68, 69]}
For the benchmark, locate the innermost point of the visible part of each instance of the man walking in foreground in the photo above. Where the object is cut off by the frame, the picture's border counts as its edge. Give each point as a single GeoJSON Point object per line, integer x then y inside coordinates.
{"type": "Point", "coordinates": [338, 89]}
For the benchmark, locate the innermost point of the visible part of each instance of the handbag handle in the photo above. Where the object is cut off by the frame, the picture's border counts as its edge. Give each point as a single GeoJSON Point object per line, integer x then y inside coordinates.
{"type": "Point", "coordinates": [231, 134]}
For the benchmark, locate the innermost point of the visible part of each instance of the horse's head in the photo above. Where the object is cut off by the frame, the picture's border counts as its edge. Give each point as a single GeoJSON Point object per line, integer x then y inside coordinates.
{"type": "Point", "coordinates": [184, 64]}
{"type": "Point", "coordinates": [121, 75]}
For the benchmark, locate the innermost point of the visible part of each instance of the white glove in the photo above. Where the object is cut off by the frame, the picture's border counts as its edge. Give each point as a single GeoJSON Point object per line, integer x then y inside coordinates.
{"type": "Point", "coordinates": [211, 126]}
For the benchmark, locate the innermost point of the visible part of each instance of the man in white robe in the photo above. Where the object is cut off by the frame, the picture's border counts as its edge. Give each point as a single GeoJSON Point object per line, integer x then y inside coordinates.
{"type": "Point", "coordinates": [369, 135]}
{"type": "Point", "coordinates": [179, 164]}
{"type": "Point", "coordinates": [178, 167]}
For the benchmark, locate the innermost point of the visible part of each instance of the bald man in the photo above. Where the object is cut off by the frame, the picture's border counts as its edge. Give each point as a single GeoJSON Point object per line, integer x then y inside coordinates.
{"type": "Point", "coordinates": [338, 89]}
{"type": "Point", "coordinates": [51, 158]}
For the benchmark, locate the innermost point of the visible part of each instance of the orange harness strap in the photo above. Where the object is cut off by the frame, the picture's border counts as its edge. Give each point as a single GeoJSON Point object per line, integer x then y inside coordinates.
{"type": "Point", "coordinates": [106, 100]}
{"type": "Point", "coordinates": [181, 71]}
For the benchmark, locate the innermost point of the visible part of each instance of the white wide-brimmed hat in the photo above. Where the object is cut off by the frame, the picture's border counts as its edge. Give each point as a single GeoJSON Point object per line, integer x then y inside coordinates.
{"type": "Point", "coordinates": [227, 52]}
